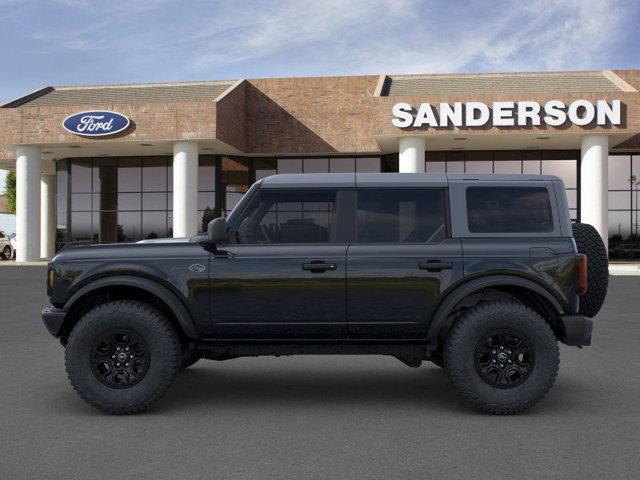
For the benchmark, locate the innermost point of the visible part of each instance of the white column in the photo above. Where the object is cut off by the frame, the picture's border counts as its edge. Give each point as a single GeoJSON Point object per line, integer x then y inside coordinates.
{"type": "Point", "coordinates": [411, 154]}
{"type": "Point", "coordinates": [594, 183]}
{"type": "Point", "coordinates": [185, 189]}
{"type": "Point", "coordinates": [28, 203]}
{"type": "Point", "coordinates": [47, 215]}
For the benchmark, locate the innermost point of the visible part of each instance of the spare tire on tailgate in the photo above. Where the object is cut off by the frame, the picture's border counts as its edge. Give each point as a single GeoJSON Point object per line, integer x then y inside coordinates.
{"type": "Point", "coordinates": [589, 243]}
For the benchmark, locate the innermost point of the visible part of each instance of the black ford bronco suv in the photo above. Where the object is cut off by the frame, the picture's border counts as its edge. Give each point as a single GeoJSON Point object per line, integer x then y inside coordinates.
{"type": "Point", "coordinates": [481, 275]}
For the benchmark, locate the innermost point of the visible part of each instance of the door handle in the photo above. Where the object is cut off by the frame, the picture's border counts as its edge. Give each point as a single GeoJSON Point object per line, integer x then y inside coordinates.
{"type": "Point", "coordinates": [318, 266]}
{"type": "Point", "coordinates": [435, 266]}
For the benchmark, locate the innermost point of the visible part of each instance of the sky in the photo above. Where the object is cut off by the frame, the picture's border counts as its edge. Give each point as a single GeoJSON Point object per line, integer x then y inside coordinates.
{"type": "Point", "coordinates": [71, 42]}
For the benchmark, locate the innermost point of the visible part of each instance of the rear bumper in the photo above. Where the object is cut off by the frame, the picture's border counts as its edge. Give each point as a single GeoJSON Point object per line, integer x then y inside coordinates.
{"type": "Point", "coordinates": [53, 319]}
{"type": "Point", "coordinates": [576, 330]}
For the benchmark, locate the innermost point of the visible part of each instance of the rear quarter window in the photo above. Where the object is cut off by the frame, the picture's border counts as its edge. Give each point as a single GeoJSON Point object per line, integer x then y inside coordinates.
{"type": "Point", "coordinates": [509, 210]}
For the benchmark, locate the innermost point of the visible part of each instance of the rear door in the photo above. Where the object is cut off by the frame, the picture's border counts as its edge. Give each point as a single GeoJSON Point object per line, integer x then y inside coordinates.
{"type": "Point", "coordinates": [400, 263]}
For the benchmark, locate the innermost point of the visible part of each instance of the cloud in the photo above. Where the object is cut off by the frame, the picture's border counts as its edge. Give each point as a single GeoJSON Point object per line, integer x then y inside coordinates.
{"type": "Point", "coordinates": [82, 41]}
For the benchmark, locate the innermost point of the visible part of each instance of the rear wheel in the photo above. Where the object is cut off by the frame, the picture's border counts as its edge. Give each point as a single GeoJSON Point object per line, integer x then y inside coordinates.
{"type": "Point", "coordinates": [6, 253]}
{"type": "Point", "coordinates": [502, 357]}
{"type": "Point", "coordinates": [122, 356]}
{"type": "Point", "coordinates": [590, 243]}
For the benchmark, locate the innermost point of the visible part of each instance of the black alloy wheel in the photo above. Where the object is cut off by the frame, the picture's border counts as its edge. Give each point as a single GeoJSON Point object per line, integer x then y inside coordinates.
{"type": "Point", "coordinates": [6, 252]}
{"type": "Point", "coordinates": [504, 358]}
{"type": "Point", "coordinates": [120, 359]}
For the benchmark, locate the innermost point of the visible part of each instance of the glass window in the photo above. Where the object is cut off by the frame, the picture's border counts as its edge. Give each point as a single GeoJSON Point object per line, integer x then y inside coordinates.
{"type": "Point", "coordinates": [455, 167]}
{"type": "Point", "coordinates": [565, 169]}
{"type": "Point", "coordinates": [572, 198]}
{"type": "Point", "coordinates": [235, 181]}
{"type": "Point", "coordinates": [479, 167]}
{"type": "Point", "coordinates": [129, 226]}
{"type": "Point", "coordinates": [620, 200]}
{"type": "Point", "coordinates": [129, 201]}
{"type": "Point", "coordinates": [289, 165]}
{"type": "Point", "coordinates": [61, 192]}
{"type": "Point", "coordinates": [81, 202]}
{"type": "Point", "coordinates": [509, 209]}
{"type": "Point", "coordinates": [435, 167]}
{"type": "Point", "coordinates": [206, 173]}
{"type": "Point", "coordinates": [507, 166]}
{"type": "Point", "coordinates": [81, 230]}
{"type": "Point", "coordinates": [289, 216]}
{"type": "Point", "coordinates": [401, 216]}
{"type": "Point", "coordinates": [368, 165]}
{"type": "Point", "coordinates": [81, 175]}
{"type": "Point", "coordinates": [531, 167]}
{"type": "Point", "coordinates": [265, 167]}
{"type": "Point", "coordinates": [154, 225]}
{"type": "Point", "coordinates": [206, 199]}
{"type": "Point", "coordinates": [154, 201]}
{"type": "Point", "coordinates": [154, 174]}
{"type": "Point", "coordinates": [316, 165]}
{"type": "Point", "coordinates": [342, 165]}
{"type": "Point", "coordinates": [129, 175]}
{"type": "Point", "coordinates": [619, 172]}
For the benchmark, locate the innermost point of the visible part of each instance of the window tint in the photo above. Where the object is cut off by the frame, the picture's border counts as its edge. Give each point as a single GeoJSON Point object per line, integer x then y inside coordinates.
{"type": "Point", "coordinates": [509, 210]}
{"type": "Point", "coordinates": [401, 216]}
{"type": "Point", "coordinates": [289, 216]}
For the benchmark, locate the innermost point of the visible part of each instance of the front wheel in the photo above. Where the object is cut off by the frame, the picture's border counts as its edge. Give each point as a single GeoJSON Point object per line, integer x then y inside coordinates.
{"type": "Point", "coordinates": [6, 253]}
{"type": "Point", "coordinates": [502, 357]}
{"type": "Point", "coordinates": [122, 356]}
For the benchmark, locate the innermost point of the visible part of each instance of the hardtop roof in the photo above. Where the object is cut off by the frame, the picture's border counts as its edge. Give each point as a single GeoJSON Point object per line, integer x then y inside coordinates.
{"type": "Point", "coordinates": [319, 180]}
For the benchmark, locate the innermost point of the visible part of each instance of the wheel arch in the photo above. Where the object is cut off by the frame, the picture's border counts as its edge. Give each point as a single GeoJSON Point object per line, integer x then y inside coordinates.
{"type": "Point", "coordinates": [533, 294]}
{"type": "Point", "coordinates": [129, 287]}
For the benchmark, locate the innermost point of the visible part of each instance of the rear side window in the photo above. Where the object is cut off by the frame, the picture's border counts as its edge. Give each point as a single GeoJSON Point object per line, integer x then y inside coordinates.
{"type": "Point", "coordinates": [509, 210]}
{"type": "Point", "coordinates": [401, 216]}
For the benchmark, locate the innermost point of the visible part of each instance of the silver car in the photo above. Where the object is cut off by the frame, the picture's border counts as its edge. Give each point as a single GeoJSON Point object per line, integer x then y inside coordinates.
{"type": "Point", "coordinates": [6, 248]}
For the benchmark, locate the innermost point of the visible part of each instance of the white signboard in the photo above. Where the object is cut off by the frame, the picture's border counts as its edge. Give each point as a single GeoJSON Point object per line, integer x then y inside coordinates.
{"type": "Point", "coordinates": [554, 113]}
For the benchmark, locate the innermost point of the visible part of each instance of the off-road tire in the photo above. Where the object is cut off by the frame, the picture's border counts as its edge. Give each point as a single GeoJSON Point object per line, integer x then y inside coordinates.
{"type": "Point", "coordinates": [590, 243]}
{"type": "Point", "coordinates": [7, 254]}
{"type": "Point", "coordinates": [460, 356]}
{"type": "Point", "coordinates": [189, 357]}
{"type": "Point", "coordinates": [165, 356]}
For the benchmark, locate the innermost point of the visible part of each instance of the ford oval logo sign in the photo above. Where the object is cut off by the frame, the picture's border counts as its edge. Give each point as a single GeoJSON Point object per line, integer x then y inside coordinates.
{"type": "Point", "coordinates": [96, 124]}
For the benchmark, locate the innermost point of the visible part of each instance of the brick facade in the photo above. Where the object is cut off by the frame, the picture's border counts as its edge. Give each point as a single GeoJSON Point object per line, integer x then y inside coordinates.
{"type": "Point", "coordinates": [289, 116]}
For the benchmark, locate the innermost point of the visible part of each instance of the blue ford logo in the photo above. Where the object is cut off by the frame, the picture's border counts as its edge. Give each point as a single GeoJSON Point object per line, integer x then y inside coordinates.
{"type": "Point", "coordinates": [96, 124]}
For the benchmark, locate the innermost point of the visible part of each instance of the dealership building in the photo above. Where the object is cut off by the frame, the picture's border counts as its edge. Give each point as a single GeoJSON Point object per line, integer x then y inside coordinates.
{"type": "Point", "coordinates": [112, 163]}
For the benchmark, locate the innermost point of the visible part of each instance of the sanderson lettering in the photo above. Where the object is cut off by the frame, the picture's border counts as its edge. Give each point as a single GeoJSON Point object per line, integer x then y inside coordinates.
{"type": "Point", "coordinates": [554, 113]}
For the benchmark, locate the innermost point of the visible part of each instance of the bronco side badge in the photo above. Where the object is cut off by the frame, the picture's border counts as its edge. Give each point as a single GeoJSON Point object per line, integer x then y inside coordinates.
{"type": "Point", "coordinates": [196, 267]}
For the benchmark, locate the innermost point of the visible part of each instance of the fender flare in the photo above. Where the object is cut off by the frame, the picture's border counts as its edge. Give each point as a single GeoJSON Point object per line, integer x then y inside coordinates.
{"type": "Point", "coordinates": [163, 293]}
{"type": "Point", "coordinates": [458, 294]}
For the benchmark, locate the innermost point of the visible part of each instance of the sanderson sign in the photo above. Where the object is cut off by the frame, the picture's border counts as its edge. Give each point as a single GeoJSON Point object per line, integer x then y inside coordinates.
{"type": "Point", "coordinates": [507, 114]}
{"type": "Point", "coordinates": [96, 123]}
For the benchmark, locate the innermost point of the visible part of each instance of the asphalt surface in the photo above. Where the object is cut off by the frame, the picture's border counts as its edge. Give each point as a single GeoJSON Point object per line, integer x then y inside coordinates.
{"type": "Point", "coordinates": [317, 417]}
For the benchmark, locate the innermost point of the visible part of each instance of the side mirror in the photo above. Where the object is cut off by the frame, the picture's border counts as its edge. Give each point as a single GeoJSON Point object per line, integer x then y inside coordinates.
{"type": "Point", "coordinates": [217, 230]}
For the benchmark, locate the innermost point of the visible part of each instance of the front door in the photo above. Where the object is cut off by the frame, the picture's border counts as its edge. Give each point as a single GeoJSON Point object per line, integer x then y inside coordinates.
{"type": "Point", "coordinates": [282, 276]}
{"type": "Point", "coordinates": [401, 263]}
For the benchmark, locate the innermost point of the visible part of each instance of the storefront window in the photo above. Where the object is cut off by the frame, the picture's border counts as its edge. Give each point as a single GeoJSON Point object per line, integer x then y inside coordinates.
{"type": "Point", "coordinates": [624, 203]}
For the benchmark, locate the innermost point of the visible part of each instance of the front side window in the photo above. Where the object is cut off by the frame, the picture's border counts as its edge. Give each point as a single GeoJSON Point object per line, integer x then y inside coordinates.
{"type": "Point", "coordinates": [288, 216]}
{"type": "Point", "coordinates": [509, 210]}
{"type": "Point", "coordinates": [401, 216]}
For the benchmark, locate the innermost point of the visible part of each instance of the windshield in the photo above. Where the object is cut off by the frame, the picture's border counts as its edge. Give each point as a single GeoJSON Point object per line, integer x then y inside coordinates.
{"type": "Point", "coordinates": [241, 204]}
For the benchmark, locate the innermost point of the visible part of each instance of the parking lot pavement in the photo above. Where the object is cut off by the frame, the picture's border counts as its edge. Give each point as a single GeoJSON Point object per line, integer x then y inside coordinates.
{"type": "Point", "coordinates": [317, 417]}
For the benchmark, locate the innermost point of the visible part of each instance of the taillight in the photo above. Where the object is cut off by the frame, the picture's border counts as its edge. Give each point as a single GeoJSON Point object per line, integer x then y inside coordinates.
{"type": "Point", "coordinates": [581, 274]}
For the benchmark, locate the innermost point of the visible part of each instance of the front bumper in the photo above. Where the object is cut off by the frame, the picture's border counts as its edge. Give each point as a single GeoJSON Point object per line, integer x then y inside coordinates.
{"type": "Point", "coordinates": [53, 319]}
{"type": "Point", "coordinates": [576, 330]}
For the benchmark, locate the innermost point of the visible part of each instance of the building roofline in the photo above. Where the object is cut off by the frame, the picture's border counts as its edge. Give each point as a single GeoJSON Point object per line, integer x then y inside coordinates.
{"type": "Point", "coordinates": [27, 98]}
